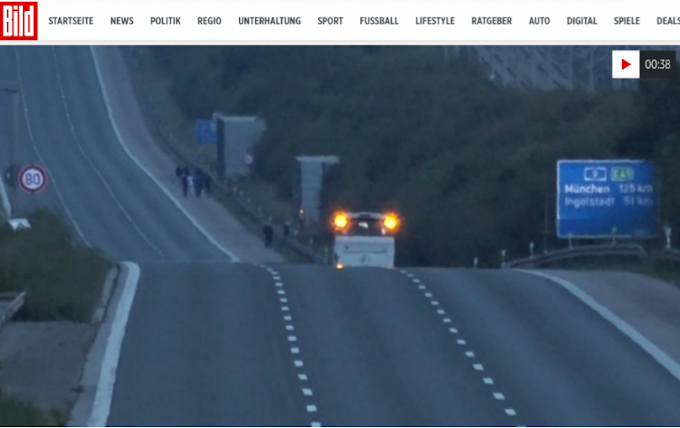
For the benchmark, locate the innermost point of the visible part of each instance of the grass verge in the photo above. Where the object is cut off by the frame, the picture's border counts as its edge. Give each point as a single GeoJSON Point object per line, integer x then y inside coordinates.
{"type": "Point", "coordinates": [18, 413]}
{"type": "Point", "coordinates": [63, 280]}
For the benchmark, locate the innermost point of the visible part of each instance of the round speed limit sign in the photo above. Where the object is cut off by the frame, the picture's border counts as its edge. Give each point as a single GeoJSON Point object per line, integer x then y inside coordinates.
{"type": "Point", "coordinates": [32, 178]}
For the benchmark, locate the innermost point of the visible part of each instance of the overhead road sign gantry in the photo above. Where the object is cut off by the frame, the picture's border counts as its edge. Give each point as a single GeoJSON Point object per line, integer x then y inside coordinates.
{"type": "Point", "coordinates": [601, 198]}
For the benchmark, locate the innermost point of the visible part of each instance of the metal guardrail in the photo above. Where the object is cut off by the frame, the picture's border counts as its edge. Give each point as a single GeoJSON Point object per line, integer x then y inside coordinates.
{"type": "Point", "coordinates": [588, 251]}
{"type": "Point", "coordinates": [534, 261]}
{"type": "Point", "coordinates": [10, 303]}
{"type": "Point", "coordinates": [171, 143]}
{"type": "Point", "coordinates": [670, 254]}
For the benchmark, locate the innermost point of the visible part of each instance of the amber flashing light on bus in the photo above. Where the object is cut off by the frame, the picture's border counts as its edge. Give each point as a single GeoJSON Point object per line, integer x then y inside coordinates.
{"type": "Point", "coordinates": [391, 222]}
{"type": "Point", "coordinates": [340, 221]}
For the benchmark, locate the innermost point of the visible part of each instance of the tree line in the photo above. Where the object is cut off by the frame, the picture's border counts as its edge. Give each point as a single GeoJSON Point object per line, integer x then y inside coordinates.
{"type": "Point", "coordinates": [469, 164]}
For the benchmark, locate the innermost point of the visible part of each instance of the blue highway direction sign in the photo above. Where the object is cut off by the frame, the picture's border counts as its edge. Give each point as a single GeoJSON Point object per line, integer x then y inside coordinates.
{"type": "Point", "coordinates": [595, 196]}
{"type": "Point", "coordinates": [206, 131]}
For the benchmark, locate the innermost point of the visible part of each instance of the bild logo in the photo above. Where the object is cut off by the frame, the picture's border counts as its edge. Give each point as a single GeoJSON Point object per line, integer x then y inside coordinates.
{"type": "Point", "coordinates": [19, 20]}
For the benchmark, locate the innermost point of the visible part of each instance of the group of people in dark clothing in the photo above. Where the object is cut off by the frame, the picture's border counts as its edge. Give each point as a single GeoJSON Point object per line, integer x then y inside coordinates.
{"type": "Point", "coordinates": [193, 181]}
{"type": "Point", "coordinates": [268, 231]}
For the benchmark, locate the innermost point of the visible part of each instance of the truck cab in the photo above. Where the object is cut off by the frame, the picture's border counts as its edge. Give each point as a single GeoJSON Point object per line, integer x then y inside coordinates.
{"type": "Point", "coordinates": [364, 239]}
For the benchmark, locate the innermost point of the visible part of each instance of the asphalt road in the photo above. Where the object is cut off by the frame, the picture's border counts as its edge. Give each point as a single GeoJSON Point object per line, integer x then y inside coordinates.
{"type": "Point", "coordinates": [216, 343]}
{"type": "Point", "coordinates": [375, 352]}
{"type": "Point", "coordinates": [112, 202]}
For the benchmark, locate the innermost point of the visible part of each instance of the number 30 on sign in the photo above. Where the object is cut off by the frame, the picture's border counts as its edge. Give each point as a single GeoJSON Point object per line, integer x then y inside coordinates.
{"type": "Point", "coordinates": [33, 178]}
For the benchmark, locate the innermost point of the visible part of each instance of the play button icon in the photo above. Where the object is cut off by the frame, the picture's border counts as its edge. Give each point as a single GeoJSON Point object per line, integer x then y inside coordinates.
{"type": "Point", "coordinates": [625, 64]}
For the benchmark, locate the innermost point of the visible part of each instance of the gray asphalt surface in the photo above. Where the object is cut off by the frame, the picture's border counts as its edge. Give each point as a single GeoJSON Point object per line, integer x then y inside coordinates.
{"type": "Point", "coordinates": [116, 206]}
{"type": "Point", "coordinates": [225, 363]}
{"type": "Point", "coordinates": [206, 342]}
{"type": "Point", "coordinates": [377, 353]}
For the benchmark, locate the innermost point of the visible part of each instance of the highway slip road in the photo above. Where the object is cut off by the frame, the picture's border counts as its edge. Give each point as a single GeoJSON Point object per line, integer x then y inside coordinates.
{"type": "Point", "coordinates": [210, 342]}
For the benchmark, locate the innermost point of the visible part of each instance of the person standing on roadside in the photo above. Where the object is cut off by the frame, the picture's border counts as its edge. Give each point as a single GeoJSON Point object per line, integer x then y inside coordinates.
{"type": "Point", "coordinates": [268, 230]}
{"type": "Point", "coordinates": [184, 178]}
{"type": "Point", "coordinates": [286, 230]}
{"type": "Point", "coordinates": [198, 182]}
{"type": "Point", "coordinates": [192, 183]}
{"type": "Point", "coordinates": [286, 233]}
{"type": "Point", "coordinates": [206, 182]}
{"type": "Point", "coordinates": [178, 174]}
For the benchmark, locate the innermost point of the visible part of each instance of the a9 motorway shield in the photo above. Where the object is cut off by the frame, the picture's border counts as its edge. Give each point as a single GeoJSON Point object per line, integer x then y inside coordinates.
{"type": "Point", "coordinates": [33, 178]}
{"type": "Point", "coordinates": [596, 197]}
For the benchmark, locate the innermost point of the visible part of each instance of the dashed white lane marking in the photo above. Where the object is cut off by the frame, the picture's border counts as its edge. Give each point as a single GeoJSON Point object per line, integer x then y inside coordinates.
{"type": "Point", "coordinates": [98, 173]}
{"type": "Point", "coordinates": [289, 326]}
{"type": "Point", "coordinates": [468, 353]}
{"type": "Point", "coordinates": [29, 128]}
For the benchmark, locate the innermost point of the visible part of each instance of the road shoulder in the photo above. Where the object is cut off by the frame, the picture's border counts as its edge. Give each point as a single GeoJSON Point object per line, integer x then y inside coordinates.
{"type": "Point", "coordinates": [207, 215]}
{"type": "Point", "coordinates": [648, 305]}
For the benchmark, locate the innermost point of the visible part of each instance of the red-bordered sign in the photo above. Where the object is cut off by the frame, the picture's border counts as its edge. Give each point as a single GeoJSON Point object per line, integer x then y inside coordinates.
{"type": "Point", "coordinates": [33, 178]}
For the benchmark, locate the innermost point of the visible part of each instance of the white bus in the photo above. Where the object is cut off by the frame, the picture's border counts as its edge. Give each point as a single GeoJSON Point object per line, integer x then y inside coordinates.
{"type": "Point", "coordinates": [364, 239]}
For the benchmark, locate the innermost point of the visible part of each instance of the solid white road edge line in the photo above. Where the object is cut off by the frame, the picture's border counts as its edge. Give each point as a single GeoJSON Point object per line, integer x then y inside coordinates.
{"type": "Point", "coordinates": [179, 206]}
{"type": "Point", "coordinates": [107, 377]}
{"type": "Point", "coordinates": [659, 355]}
{"type": "Point", "coordinates": [76, 140]}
